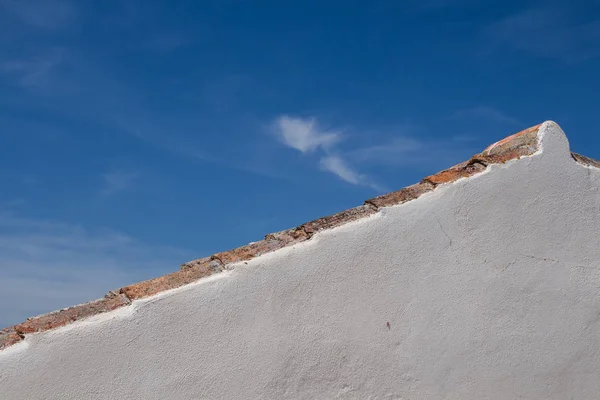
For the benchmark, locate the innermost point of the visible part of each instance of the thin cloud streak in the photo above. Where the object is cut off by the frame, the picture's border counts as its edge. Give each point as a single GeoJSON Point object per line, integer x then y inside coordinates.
{"type": "Point", "coordinates": [339, 167]}
{"type": "Point", "coordinates": [48, 265]}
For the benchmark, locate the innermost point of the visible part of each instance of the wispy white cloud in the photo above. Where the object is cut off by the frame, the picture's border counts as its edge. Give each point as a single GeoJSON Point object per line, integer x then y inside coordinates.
{"type": "Point", "coordinates": [304, 134]}
{"type": "Point", "coordinates": [117, 181]}
{"type": "Point", "coordinates": [337, 165]}
{"type": "Point", "coordinates": [340, 168]}
{"type": "Point", "coordinates": [46, 265]}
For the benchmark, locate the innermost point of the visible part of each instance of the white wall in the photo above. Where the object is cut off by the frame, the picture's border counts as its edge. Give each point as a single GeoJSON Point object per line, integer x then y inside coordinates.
{"type": "Point", "coordinates": [491, 287]}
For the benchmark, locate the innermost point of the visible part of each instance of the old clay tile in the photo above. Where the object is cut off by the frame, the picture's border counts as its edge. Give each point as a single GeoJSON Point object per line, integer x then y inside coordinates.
{"type": "Point", "coordinates": [271, 242]}
{"type": "Point", "coordinates": [68, 315]}
{"type": "Point", "coordinates": [338, 219]}
{"type": "Point", "coordinates": [521, 144]}
{"type": "Point", "coordinates": [526, 137]}
{"type": "Point", "coordinates": [401, 196]}
{"type": "Point", "coordinates": [8, 337]}
{"type": "Point", "coordinates": [248, 251]}
{"type": "Point", "coordinates": [288, 236]}
{"type": "Point", "coordinates": [452, 174]}
{"type": "Point", "coordinates": [170, 281]}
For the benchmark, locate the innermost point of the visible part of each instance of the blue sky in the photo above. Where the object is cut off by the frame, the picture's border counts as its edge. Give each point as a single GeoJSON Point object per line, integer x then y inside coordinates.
{"type": "Point", "coordinates": [137, 135]}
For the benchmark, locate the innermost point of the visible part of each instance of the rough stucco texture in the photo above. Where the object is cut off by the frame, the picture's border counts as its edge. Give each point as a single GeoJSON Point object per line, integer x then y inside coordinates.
{"type": "Point", "coordinates": [486, 288]}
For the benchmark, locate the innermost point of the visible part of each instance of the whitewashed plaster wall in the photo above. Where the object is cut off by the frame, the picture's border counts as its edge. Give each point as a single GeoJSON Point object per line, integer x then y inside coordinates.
{"type": "Point", "coordinates": [490, 285]}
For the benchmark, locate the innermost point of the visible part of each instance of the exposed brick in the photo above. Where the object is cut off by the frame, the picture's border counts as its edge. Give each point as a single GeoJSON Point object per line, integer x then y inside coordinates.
{"type": "Point", "coordinates": [170, 281]}
{"type": "Point", "coordinates": [452, 174]}
{"type": "Point", "coordinates": [68, 315]}
{"type": "Point", "coordinates": [402, 195]}
{"type": "Point", "coordinates": [8, 337]}
{"type": "Point", "coordinates": [338, 219]}
{"type": "Point", "coordinates": [590, 162]}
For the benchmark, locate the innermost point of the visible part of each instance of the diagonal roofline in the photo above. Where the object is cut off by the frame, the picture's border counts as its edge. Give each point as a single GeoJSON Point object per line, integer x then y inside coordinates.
{"type": "Point", "coordinates": [521, 144]}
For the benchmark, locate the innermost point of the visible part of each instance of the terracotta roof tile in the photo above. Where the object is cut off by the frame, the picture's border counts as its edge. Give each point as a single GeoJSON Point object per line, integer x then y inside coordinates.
{"type": "Point", "coordinates": [201, 268]}
{"type": "Point", "coordinates": [515, 146]}
{"type": "Point", "coordinates": [270, 243]}
{"type": "Point", "coordinates": [462, 170]}
{"type": "Point", "coordinates": [401, 196]}
{"type": "Point", "coordinates": [68, 315]}
{"type": "Point", "coordinates": [8, 337]}
{"type": "Point", "coordinates": [338, 219]}
{"type": "Point", "coordinates": [520, 144]}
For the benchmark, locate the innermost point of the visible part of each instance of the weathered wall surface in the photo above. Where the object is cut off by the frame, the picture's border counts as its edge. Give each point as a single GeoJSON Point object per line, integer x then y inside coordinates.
{"type": "Point", "coordinates": [490, 286]}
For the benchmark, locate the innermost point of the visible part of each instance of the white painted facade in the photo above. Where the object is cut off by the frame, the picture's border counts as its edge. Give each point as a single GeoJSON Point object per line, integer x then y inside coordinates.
{"type": "Point", "coordinates": [490, 286]}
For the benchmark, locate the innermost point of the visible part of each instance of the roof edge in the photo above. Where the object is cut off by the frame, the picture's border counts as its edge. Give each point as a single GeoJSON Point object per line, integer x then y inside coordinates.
{"type": "Point", "coordinates": [588, 162]}
{"type": "Point", "coordinates": [524, 143]}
